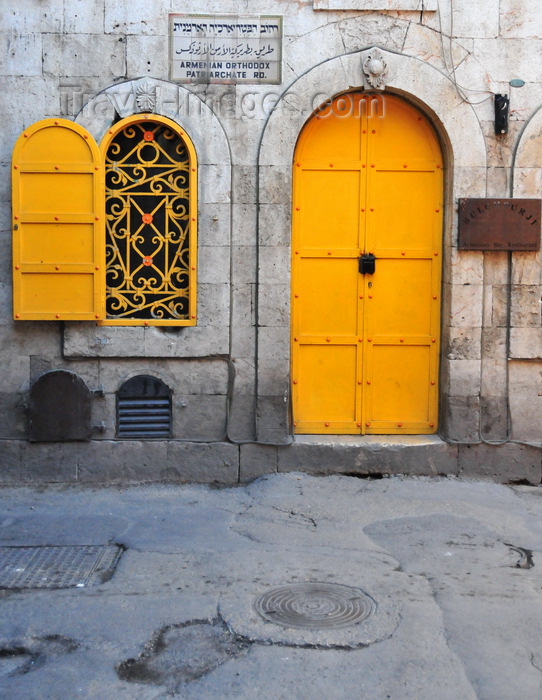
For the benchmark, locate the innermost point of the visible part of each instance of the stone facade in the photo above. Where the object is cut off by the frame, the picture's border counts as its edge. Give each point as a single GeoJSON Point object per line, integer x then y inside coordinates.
{"type": "Point", "coordinates": [230, 374]}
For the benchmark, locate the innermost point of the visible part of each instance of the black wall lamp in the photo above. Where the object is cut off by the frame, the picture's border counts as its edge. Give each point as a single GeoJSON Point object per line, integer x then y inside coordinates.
{"type": "Point", "coordinates": [502, 108]}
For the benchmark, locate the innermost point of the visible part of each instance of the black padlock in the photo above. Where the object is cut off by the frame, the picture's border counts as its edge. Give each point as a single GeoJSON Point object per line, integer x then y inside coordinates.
{"type": "Point", "coordinates": [367, 264]}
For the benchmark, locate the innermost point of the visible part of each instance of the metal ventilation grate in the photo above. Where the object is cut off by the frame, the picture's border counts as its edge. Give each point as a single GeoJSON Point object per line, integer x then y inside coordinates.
{"type": "Point", "coordinates": [144, 408]}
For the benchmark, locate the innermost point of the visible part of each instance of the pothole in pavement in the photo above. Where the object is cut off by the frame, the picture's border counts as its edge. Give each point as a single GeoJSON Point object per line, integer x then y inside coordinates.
{"type": "Point", "coordinates": [21, 656]}
{"type": "Point", "coordinates": [181, 653]}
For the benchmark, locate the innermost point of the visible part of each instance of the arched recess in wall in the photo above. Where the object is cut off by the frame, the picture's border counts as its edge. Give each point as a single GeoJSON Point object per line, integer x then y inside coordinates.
{"type": "Point", "coordinates": [211, 334]}
{"type": "Point", "coordinates": [465, 163]}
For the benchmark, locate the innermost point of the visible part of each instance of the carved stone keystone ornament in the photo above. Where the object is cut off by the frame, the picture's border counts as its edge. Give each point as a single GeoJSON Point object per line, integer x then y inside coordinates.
{"type": "Point", "coordinates": [375, 69]}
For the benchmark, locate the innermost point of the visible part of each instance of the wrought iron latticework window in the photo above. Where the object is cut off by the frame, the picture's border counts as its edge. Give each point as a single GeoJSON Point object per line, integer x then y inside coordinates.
{"type": "Point", "coordinates": [150, 235]}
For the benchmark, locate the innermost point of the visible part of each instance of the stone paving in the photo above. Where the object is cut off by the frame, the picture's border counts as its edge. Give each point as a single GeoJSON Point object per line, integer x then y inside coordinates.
{"type": "Point", "coordinates": [396, 588]}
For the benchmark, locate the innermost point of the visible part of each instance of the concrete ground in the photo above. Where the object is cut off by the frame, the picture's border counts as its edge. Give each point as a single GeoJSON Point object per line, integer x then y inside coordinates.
{"type": "Point", "coordinates": [446, 601]}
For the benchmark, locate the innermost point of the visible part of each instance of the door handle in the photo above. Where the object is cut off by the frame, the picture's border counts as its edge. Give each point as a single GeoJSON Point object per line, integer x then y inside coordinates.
{"type": "Point", "coordinates": [366, 264]}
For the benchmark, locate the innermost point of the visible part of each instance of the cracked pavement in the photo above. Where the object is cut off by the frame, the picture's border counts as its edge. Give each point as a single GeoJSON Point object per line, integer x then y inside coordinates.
{"type": "Point", "coordinates": [453, 566]}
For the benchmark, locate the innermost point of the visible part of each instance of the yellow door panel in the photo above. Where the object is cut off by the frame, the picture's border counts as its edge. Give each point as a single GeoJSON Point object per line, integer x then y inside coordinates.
{"type": "Point", "coordinates": [58, 243]}
{"type": "Point", "coordinates": [323, 382]}
{"type": "Point", "coordinates": [402, 297]}
{"type": "Point", "coordinates": [335, 132]}
{"type": "Point", "coordinates": [328, 305]}
{"type": "Point", "coordinates": [69, 294]}
{"type": "Point", "coordinates": [405, 216]}
{"type": "Point", "coordinates": [47, 193]}
{"type": "Point", "coordinates": [328, 209]}
{"type": "Point", "coordinates": [365, 347]}
{"type": "Point", "coordinates": [400, 391]}
{"type": "Point", "coordinates": [58, 224]}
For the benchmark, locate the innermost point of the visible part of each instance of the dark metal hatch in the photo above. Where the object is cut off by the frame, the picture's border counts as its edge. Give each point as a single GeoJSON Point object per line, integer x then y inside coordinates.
{"type": "Point", "coordinates": [144, 408]}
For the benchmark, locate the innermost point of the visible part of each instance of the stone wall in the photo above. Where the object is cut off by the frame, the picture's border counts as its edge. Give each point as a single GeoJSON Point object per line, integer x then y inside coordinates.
{"type": "Point", "coordinates": [85, 60]}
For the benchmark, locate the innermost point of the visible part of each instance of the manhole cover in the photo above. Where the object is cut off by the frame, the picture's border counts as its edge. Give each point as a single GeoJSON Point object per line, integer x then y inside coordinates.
{"type": "Point", "coordinates": [315, 605]}
{"type": "Point", "coordinates": [76, 566]}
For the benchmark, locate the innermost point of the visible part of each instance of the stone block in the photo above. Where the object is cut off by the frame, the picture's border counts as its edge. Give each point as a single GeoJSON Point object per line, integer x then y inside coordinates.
{"type": "Point", "coordinates": [200, 418]}
{"type": "Point", "coordinates": [122, 461]}
{"type": "Point", "coordinates": [494, 375]}
{"type": "Point", "coordinates": [464, 344]}
{"type": "Point", "coordinates": [273, 419]}
{"type": "Point", "coordinates": [470, 182]}
{"type": "Point", "coordinates": [464, 377]}
{"type": "Point", "coordinates": [213, 264]}
{"type": "Point", "coordinates": [364, 29]}
{"type": "Point", "coordinates": [274, 345]}
{"type": "Point", "coordinates": [494, 418]}
{"type": "Point", "coordinates": [243, 339]}
{"type": "Point", "coordinates": [476, 18]}
{"type": "Point", "coordinates": [256, 461]}
{"type": "Point", "coordinates": [496, 305]}
{"type": "Point", "coordinates": [498, 182]}
{"type": "Point", "coordinates": [505, 464]}
{"type": "Point", "coordinates": [205, 464]}
{"type": "Point", "coordinates": [369, 455]}
{"type": "Point", "coordinates": [83, 17]}
{"type": "Point", "coordinates": [133, 17]}
{"type": "Point", "coordinates": [243, 226]}
{"type": "Point", "coordinates": [50, 462]}
{"type": "Point", "coordinates": [146, 55]}
{"type": "Point", "coordinates": [496, 267]}
{"type": "Point", "coordinates": [528, 180]}
{"type": "Point", "coordinates": [244, 264]}
{"type": "Point", "coordinates": [11, 466]}
{"type": "Point", "coordinates": [526, 308]}
{"type": "Point", "coordinates": [274, 225]}
{"type": "Point", "coordinates": [275, 184]}
{"type": "Point", "coordinates": [274, 265]}
{"type": "Point", "coordinates": [461, 418]}
{"type": "Point", "coordinates": [467, 267]}
{"type": "Point", "coordinates": [244, 184]}
{"type": "Point", "coordinates": [494, 343]}
{"type": "Point", "coordinates": [324, 40]}
{"type": "Point", "coordinates": [40, 100]}
{"type": "Point", "coordinates": [20, 54]}
{"type": "Point", "coordinates": [25, 17]}
{"type": "Point", "coordinates": [526, 343]}
{"type": "Point", "coordinates": [214, 183]}
{"type": "Point", "coordinates": [525, 396]}
{"type": "Point", "coordinates": [274, 304]}
{"type": "Point", "coordinates": [466, 305]}
{"type": "Point", "coordinates": [242, 418]}
{"type": "Point", "coordinates": [84, 55]}
{"type": "Point", "coordinates": [527, 268]}
{"type": "Point", "coordinates": [214, 228]}
{"type": "Point", "coordinates": [520, 18]}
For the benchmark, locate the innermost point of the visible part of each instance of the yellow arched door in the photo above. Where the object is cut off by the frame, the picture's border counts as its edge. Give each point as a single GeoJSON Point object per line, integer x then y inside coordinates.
{"type": "Point", "coordinates": [366, 269]}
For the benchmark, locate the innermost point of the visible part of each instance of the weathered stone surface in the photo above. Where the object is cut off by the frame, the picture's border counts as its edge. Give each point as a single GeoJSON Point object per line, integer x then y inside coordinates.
{"type": "Point", "coordinates": [526, 343]}
{"type": "Point", "coordinates": [257, 460]}
{"type": "Point", "coordinates": [525, 381]}
{"type": "Point", "coordinates": [318, 454]}
{"type": "Point", "coordinates": [217, 462]}
{"type": "Point", "coordinates": [505, 463]}
{"type": "Point", "coordinates": [461, 421]}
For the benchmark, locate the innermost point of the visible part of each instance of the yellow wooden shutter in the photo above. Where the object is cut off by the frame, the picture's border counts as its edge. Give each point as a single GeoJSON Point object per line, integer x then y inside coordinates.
{"type": "Point", "coordinates": [58, 224]}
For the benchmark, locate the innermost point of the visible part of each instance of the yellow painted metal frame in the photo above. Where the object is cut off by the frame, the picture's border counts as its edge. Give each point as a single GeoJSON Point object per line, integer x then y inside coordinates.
{"type": "Point", "coordinates": [355, 338]}
{"type": "Point", "coordinates": [58, 224]}
{"type": "Point", "coordinates": [192, 223]}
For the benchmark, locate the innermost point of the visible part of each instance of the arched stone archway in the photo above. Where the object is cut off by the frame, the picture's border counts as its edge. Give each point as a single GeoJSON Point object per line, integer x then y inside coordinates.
{"type": "Point", "coordinates": [465, 163]}
{"type": "Point", "coordinates": [211, 335]}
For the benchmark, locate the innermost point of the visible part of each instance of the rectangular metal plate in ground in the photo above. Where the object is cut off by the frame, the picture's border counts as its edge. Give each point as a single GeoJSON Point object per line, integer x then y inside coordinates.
{"type": "Point", "coordinates": [499, 224]}
{"type": "Point", "coordinates": [71, 566]}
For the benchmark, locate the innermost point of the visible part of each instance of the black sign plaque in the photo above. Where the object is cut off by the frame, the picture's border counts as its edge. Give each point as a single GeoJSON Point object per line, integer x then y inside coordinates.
{"type": "Point", "coordinates": [499, 224]}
